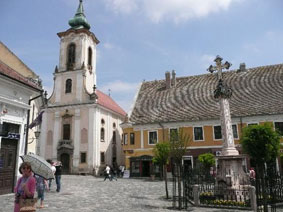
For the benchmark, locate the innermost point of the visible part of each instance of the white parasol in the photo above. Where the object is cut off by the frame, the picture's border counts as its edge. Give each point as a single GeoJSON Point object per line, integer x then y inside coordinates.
{"type": "Point", "coordinates": [39, 165]}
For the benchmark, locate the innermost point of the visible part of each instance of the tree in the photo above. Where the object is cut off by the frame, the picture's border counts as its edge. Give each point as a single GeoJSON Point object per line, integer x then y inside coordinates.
{"type": "Point", "coordinates": [207, 160]}
{"type": "Point", "coordinates": [262, 144]}
{"type": "Point", "coordinates": [179, 142]}
{"type": "Point", "coordinates": [161, 153]}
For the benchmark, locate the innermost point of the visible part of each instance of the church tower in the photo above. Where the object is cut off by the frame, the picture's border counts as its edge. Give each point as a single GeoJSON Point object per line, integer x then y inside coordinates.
{"type": "Point", "coordinates": [76, 73]}
{"type": "Point", "coordinates": [81, 125]}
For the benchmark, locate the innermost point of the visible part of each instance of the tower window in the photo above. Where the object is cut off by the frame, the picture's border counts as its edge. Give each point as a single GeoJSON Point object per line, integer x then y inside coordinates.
{"type": "Point", "coordinates": [71, 55]}
{"type": "Point", "coordinates": [89, 61]}
{"type": "Point", "coordinates": [66, 131]}
{"type": "Point", "coordinates": [102, 132]}
{"type": "Point", "coordinates": [68, 88]}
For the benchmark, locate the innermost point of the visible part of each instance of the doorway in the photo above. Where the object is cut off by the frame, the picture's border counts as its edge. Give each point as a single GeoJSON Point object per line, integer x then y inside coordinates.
{"type": "Point", "coordinates": [65, 159]}
{"type": "Point", "coordinates": [145, 168]}
{"type": "Point", "coordinates": [8, 153]}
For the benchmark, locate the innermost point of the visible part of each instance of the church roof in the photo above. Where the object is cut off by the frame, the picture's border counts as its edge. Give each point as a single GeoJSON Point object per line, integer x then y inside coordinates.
{"type": "Point", "coordinates": [256, 91]}
{"type": "Point", "coordinates": [79, 21]}
{"type": "Point", "coordinates": [106, 101]}
{"type": "Point", "coordinates": [14, 75]}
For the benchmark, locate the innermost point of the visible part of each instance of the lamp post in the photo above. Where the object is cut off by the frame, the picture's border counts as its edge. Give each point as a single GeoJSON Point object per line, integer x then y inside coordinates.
{"type": "Point", "coordinates": [223, 94]}
{"type": "Point", "coordinates": [37, 134]}
{"type": "Point", "coordinates": [28, 116]}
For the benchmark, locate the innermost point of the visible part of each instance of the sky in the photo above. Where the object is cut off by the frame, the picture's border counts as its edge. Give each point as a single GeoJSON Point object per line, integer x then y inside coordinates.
{"type": "Point", "coordinates": [142, 39]}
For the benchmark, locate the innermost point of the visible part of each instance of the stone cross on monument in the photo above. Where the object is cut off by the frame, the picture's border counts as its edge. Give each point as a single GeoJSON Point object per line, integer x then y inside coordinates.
{"type": "Point", "coordinates": [223, 93]}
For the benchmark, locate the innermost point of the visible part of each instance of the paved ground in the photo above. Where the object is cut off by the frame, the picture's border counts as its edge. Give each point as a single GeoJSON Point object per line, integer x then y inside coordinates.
{"type": "Point", "coordinates": [87, 193]}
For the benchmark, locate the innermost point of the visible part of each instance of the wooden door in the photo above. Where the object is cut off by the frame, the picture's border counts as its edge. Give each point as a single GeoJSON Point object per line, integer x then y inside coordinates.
{"type": "Point", "coordinates": [65, 159]}
{"type": "Point", "coordinates": [8, 154]}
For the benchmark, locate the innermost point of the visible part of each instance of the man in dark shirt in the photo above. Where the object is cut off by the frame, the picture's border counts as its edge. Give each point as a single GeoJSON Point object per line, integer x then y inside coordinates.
{"type": "Point", "coordinates": [58, 173]}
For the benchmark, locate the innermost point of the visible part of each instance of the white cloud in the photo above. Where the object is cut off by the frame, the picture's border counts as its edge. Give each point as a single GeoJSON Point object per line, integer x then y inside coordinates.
{"type": "Point", "coordinates": [108, 46]}
{"type": "Point", "coordinates": [119, 87]}
{"type": "Point", "coordinates": [122, 6]}
{"type": "Point", "coordinates": [170, 10]}
{"type": "Point", "coordinates": [122, 92]}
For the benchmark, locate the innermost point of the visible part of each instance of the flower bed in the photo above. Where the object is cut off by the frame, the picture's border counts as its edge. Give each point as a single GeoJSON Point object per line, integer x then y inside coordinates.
{"type": "Point", "coordinates": [208, 198]}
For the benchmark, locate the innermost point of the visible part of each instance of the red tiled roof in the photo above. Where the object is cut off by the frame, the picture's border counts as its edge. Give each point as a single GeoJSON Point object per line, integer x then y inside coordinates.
{"type": "Point", "coordinates": [106, 101]}
{"type": "Point", "coordinates": [11, 73]}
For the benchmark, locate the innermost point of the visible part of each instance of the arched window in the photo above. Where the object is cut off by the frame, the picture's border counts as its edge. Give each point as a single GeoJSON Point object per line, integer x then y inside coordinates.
{"type": "Point", "coordinates": [68, 87]}
{"type": "Point", "coordinates": [71, 55]}
{"type": "Point", "coordinates": [102, 132]}
{"type": "Point", "coordinates": [89, 61]}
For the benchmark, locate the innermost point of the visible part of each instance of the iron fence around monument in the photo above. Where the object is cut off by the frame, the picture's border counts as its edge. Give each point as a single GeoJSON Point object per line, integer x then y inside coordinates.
{"type": "Point", "coordinates": [223, 196]}
{"type": "Point", "coordinates": [201, 189]}
{"type": "Point", "coordinates": [269, 191]}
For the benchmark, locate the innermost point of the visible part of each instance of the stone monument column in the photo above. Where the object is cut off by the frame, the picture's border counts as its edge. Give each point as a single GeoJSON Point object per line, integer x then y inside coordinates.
{"type": "Point", "coordinates": [230, 164]}
{"type": "Point", "coordinates": [223, 94]}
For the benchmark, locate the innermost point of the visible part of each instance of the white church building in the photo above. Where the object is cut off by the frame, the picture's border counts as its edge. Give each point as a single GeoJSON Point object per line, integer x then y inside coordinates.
{"type": "Point", "coordinates": [80, 125]}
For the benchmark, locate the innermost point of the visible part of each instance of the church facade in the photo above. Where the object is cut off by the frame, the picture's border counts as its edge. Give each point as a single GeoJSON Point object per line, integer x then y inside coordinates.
{"type": "Point", "coordinates": [81, 125]}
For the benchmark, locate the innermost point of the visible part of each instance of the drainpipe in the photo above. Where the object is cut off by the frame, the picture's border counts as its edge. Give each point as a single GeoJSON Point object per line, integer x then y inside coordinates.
{"type": "Point", "coordinates": [28, 115]}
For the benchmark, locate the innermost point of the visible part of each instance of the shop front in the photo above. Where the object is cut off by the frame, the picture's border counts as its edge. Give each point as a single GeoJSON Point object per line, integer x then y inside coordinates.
{"type": "Point", "coordinates": [143, 166]}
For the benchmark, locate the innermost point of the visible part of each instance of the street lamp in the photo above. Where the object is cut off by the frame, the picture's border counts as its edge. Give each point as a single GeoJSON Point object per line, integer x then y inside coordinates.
{"type": "Point", "coordinates": [37, 134]}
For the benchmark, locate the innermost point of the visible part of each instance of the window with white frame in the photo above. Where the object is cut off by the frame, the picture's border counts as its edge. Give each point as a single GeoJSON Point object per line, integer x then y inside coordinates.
{"type": "Point", "coordinates": [152, 137]}
{"type": "Point", "coordinates": [173, 134]}
{"type": "Point", "coordinates": [198, 133]}
{"type": "Point", "coordinates": [102, 134]}
{"type": "Point", "coordinates": [235, 131]}
{"type": "Point", "coordinates": [132, 138]}
{"type": "Point", "coordinates": [217, 132]}
{"type": "Point", "coordinates": [125, 138]}
{"type": "Point", "coordinates": [279, 127]}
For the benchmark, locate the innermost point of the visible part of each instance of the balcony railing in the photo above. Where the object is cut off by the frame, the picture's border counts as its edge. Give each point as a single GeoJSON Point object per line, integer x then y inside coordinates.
{"type": "Point", "coordinates": [68, 142]}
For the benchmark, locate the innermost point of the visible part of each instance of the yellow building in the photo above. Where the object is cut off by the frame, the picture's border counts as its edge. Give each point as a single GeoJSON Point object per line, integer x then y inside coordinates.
{"type": "Point", "coordinates": [188, 103]}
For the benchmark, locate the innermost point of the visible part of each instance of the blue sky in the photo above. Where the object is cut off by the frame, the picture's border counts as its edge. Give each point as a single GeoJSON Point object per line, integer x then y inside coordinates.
{"type": "Point", "coordinates": [142, 39]}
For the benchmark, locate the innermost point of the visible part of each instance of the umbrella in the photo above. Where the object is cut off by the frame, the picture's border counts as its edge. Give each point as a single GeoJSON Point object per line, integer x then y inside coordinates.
{"type": "Point", "coordinates": [39, 165]}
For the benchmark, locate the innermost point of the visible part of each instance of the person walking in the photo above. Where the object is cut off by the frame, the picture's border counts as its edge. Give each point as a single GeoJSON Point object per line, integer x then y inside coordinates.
{"type": "Point", "coordinates": [53, 170]}
{"type": "Point", "coordinates": [41, 185]}
{"type": "Point", "coordinates": [122, 168]}
{"type": "Point", "coordinates": [25, 187]}
{"type": "Point", "coordinates": [107, 173]}
{"type": "Point", "coordinates": [58, 174]}
{"type": "Point", "coordinates": [252, 176]}
{"type": "Point", "coordinates": [113, 173]}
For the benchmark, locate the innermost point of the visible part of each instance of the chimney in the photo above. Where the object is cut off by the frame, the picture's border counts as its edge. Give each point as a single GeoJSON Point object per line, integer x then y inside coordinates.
{"type": "Point", "coordinates": [167, 79]}
{"type": "Point", "coordinates": [173, 82]}
{"type": "Point", "coordinates": [242, 67]}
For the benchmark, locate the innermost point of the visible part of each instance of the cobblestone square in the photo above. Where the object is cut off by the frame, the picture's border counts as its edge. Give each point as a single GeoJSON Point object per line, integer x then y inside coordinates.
{"type": "Point", "coordinates": [87, 193]}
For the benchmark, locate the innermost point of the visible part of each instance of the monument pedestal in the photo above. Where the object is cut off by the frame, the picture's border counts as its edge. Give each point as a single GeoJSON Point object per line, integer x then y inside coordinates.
{"type": "Point", "coordinates": [230, 171]}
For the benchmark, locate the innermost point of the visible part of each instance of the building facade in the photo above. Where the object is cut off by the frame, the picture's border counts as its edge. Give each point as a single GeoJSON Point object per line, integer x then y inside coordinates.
{"type": "Point", "coordinates": [187, 103]}
{"type": "Point", "coordinates": [81, 125]}
{"type": "Point", "coordinates": [16, 91]}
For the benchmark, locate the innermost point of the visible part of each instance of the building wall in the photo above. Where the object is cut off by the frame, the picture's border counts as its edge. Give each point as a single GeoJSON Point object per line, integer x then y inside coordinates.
{"type": "Point", "coordinates": [141, 146]}
{"type": "Point", "coordinates": [9, 58]}
{"type": "Point", "coordinates": [14, 98]}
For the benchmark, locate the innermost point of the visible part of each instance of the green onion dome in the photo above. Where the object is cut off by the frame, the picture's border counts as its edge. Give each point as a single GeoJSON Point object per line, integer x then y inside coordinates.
{"type": "Point", "coordinates": [79, 21]}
